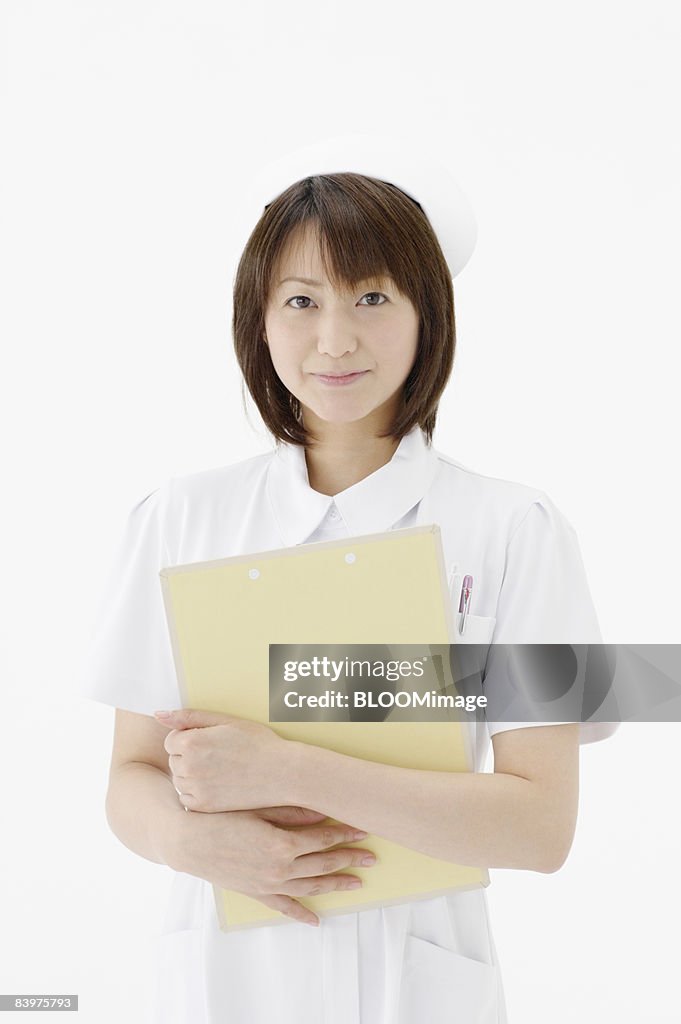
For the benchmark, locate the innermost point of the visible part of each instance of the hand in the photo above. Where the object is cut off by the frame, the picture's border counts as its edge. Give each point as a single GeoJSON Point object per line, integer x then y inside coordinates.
{"type": "Point", "coordinates": [222, 763]}
{"type": "Point", "coordinates": [272, 855]}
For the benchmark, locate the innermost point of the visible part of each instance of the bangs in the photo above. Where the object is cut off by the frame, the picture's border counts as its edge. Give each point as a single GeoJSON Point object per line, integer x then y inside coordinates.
{"type": "Point", "coordinates": [361, 234]}
{"type": "Point", "coordinates": [345, 274]}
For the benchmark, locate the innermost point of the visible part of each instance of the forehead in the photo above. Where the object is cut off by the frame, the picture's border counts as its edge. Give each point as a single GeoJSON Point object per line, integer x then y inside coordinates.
{"type": "Point", "coordinates": [302, 257]}
{"type": "Point", "coordinates": [301, 253]}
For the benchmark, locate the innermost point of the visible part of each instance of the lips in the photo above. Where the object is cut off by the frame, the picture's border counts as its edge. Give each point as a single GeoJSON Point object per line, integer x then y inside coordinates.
{"type": "Point", "coordinates": [339, 379]}
{"type": "Point", "coordinates": [348, 373]}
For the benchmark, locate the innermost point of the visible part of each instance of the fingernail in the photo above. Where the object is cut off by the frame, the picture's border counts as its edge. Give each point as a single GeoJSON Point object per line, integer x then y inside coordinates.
{"type": "Point", "coordinates": [360, 835]}
{"type": "Point", "coordinates": [163, 714]}
{"type": "Point", "coordinates": [355, 884]}
{"type": "Point", "coordinates": [369, 859]}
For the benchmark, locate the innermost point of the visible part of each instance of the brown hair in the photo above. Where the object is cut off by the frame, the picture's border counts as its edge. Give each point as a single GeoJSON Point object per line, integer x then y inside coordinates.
{"type": "Point", "coordinates": [366, 228]}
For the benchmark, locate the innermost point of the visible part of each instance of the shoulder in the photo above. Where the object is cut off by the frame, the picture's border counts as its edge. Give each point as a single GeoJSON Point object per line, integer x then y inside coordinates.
{"type": "Point", "coordinates": [208, 482]}
{"type": "Point", "coordinates": [492, 500]}
{"type": "Point", "coordinates": [217, 486]}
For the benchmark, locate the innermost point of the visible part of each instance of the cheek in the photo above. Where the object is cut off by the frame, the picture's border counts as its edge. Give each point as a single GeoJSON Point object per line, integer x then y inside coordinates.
{"type": "Point", "coordinates": [398, 349]}
{"type": "Point", "coordinates": [411, 345]}
{"type": "Point", "coordinates": [286, 356]}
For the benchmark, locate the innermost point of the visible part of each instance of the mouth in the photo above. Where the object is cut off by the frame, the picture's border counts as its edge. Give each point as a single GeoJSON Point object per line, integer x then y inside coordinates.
{"type": "Point", "coordinates": [338, 379]}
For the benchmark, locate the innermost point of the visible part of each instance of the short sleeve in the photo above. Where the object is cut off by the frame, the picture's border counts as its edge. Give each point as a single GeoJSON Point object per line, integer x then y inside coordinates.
{"type": "Point", "coordinates": [545, 597]}
{"type": "Point", "coordinates": [128, 662]}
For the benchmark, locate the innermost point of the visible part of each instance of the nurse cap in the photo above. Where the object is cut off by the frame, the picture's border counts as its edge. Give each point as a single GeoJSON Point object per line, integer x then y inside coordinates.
{"type": "Point", "coordinates": [420, 175]}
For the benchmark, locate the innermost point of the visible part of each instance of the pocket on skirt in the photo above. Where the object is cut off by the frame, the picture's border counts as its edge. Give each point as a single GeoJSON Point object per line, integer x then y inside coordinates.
{"type": "Point", "coordinates": [442, 987]}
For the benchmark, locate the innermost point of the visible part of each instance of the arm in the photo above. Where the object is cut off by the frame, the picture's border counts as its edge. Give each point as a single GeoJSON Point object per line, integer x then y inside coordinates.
{"type": "Point", "coordinates": [142, 806]}
{"type": "Point", "coordinates": [521, 816]}
{"type": "Point", "coordinates": [274, 854]}
{"type": "Point", "coordinates": [143, 811]}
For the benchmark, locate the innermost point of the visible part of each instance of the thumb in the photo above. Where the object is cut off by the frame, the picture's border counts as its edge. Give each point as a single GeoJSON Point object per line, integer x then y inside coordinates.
{"type": "Point", "coordinates": [191, 718]}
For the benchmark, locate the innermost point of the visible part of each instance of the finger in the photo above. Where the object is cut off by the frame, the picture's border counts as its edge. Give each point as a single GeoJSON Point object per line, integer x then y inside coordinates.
{"type": "Point", "coordinates": [291, 815]}
{"type": "Point", "coordinates": [320, 837]}
{"type": "Point", "coordinates": [183, 781]}
{"type": "Point", "coordinates": [313, 864]}
{"type": "Point", "coordinates": [188, 800]}
{"type": "Point", "coordinates": [173, 742]}
{"type": "Point", "coordinates": [289, 907]}
{"type": "Point", "coordinates": [321, 884]}
{"type": "Point", "coordinates": [192, 718]}
{"type": "Point", "coordinates": [175, 764]}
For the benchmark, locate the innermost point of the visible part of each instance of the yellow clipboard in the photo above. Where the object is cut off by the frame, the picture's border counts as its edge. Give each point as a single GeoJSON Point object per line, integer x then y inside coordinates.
{"type": "Point", "coordinates": [386, 588]}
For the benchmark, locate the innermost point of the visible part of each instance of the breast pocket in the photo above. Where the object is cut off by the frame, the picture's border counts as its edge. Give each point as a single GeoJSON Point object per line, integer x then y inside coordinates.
{"type": "Point", "coordinates": [442, 987]}
{"type": "Point", "coordinates": [478, 630]}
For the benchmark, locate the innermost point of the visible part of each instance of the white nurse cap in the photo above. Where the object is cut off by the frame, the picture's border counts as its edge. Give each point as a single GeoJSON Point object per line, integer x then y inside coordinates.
{"type": "Point", "coordinates": [421, 175]}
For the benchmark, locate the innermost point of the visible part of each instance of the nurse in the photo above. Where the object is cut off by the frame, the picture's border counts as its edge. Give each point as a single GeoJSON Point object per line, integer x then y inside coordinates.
{"type": "Point", "coordinates": [344, 331]}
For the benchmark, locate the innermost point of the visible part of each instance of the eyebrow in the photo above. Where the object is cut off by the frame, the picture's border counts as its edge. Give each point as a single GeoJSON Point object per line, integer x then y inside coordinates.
{"type": "Point", "coordinates": [308, 280]}
{"type": "Point", "coordinates": [301, 280]}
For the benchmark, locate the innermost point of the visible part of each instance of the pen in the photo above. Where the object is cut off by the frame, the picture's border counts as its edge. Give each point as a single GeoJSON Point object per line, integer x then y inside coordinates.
{"type": "Point", "coordinates": [465, 600]}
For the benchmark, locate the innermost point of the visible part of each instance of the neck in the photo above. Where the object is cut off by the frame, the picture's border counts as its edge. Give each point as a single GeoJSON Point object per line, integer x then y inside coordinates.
{"type": "Point", "coordinates": [344, 454]}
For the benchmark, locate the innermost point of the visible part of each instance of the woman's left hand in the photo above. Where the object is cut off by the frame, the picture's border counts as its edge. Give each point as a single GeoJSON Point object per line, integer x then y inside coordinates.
{"type": "Point", "coordinates": [222, 763]}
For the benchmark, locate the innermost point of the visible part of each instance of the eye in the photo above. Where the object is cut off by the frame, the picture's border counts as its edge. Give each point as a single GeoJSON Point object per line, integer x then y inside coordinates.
{"type": "Point", "coordinates": [297, 299]}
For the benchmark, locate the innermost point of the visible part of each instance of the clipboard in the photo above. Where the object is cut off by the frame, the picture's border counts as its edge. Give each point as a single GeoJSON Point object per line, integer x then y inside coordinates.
{"type": "Point", "coordinates": [383, 588]}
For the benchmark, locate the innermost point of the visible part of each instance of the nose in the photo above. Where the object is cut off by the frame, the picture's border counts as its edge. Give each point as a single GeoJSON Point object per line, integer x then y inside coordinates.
{"type": "Point", "coordinates": [336, 334]}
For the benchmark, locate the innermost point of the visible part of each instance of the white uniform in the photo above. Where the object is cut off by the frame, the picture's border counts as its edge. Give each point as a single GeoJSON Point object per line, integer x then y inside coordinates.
{"type": "Point", "coordinates": [431, 960]}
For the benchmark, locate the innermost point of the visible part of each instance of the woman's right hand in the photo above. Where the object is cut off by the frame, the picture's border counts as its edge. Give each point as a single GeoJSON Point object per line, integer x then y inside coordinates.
{"type": "Point", "coordinates": [272, 854]}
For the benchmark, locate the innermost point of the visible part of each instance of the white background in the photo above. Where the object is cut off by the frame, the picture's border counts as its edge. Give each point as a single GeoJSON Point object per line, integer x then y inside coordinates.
{"type": "Point", "coordinates": [129, 130]}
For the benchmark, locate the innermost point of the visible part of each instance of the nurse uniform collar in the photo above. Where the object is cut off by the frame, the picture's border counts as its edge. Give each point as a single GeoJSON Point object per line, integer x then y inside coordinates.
{"type": "Point", "coordinates": [372, 505]}
{"type": "Point", "coordinates": [425, 178]}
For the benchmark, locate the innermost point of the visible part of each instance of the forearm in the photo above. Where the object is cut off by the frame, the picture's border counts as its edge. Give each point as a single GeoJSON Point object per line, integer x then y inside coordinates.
{"type": "Point", "coordinates": [483, 820]}
{"type": "Point", "coordinates": [144, 812]}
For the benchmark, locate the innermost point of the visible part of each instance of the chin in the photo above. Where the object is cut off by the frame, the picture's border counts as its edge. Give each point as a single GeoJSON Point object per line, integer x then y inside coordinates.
{"type": "Point", "coordinates": [341, 416]}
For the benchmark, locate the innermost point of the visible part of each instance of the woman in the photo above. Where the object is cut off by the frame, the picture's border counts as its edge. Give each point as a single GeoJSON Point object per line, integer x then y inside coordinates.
{"type": "Point", "coordinates": [344, 331]}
